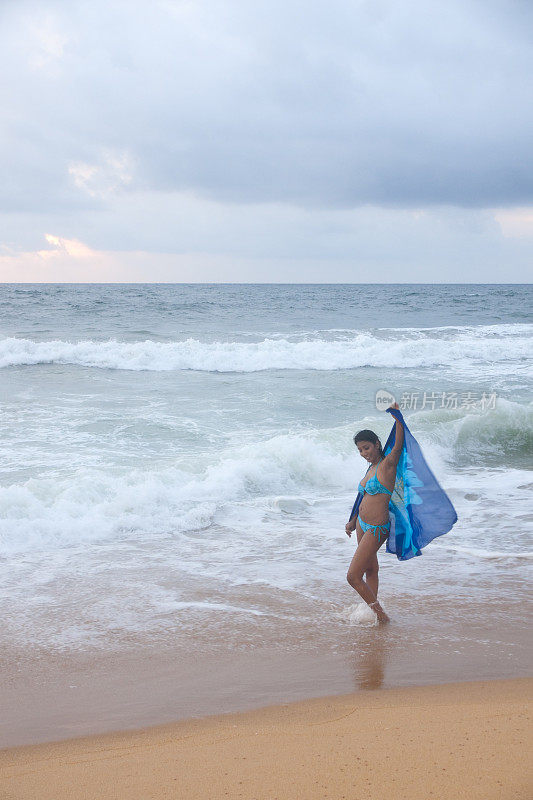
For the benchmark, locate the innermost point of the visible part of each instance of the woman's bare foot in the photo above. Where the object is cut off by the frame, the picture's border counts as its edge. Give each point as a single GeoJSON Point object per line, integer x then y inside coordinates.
{"type": "Point", "coordinates": [380, 614]}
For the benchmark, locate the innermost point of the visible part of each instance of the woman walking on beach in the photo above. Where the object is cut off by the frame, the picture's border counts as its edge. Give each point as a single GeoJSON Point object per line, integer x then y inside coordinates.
{"type": "Point", "coordinates": [372, 524]}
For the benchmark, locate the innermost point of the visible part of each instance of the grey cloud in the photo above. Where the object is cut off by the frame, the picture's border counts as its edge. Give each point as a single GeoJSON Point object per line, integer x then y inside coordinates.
{"type": "Point", "coordinates": [329, 106]}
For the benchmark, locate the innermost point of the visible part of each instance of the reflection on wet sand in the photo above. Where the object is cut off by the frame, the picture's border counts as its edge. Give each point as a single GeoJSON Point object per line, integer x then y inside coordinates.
{"type": "Point", "coordinates": [370, 659]}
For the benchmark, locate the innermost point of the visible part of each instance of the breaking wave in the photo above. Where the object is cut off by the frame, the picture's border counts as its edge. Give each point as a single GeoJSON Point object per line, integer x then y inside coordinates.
{"type": "Point", "coordinates": [507, 346]}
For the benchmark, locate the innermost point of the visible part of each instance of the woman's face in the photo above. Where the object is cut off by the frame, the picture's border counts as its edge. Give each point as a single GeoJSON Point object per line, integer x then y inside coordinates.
{"type": "Point", "coordinates": [368, 450]}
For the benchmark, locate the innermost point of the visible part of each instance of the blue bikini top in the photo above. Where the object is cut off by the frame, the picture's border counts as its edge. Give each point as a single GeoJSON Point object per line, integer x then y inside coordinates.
{"type": "Point", "coordinates": [373, 486]}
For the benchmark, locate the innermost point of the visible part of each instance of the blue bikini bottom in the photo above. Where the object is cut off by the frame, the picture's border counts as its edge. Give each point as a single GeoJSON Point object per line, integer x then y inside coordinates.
{"type": "Point", "coordinates": [376, 530]}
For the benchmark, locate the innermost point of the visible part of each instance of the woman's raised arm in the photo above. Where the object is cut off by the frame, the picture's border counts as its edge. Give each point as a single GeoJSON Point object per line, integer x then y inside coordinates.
{"type": "Point", "coordinates": [394, 456]}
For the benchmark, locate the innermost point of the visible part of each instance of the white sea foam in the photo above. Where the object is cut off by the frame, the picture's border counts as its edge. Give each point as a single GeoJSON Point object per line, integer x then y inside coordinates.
{"type": "Point", "coordinates": [269, 514]}
{"type": "Point", "coordinates": [93, 504]}
{"type": "Point", "coordinates": [359, 614]}
{"type": "Point", "coordinates": [285, 475]}
{"type": "Point", "coordinates": [476, 552]}
{"type": "Point", "coordinates": [179, 605]}
{"type": "Point", "coordinates": [469, 348]}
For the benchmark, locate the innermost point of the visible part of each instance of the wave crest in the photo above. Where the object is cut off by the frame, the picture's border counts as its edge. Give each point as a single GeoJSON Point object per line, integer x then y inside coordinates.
{"type": "Point", "coordinates": [325, 351]}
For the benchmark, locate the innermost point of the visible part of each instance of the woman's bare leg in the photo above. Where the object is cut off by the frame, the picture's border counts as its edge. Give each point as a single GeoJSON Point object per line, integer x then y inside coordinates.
{"type": "Point", "coordinates": [372, 568]}
{"type": "Point", "coordinates": [363, 556]}
{"type": "Point", "coordinates": [371, 577]}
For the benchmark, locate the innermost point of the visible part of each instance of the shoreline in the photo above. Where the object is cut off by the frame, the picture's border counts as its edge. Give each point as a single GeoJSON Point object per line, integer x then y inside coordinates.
{"type": "Point", "coordinates": [51, 695]}
{"type": "Point", "coordinates": [467, 738]}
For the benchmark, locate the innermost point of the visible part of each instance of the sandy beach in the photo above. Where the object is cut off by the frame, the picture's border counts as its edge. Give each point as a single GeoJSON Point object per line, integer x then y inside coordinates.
{"type": "Point", "coordinates": [266, 385]}
{"type": "Point", "coordinates": [461, 740]}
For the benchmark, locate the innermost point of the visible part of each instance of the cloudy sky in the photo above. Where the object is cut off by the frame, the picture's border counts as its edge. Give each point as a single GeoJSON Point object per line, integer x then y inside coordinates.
{"type": "Point", "coordinates": [266, 140]}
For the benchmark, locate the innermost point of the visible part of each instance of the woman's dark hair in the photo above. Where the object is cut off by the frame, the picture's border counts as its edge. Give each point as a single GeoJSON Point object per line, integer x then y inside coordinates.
{"type": "Point", "coordinates": [368, 436]}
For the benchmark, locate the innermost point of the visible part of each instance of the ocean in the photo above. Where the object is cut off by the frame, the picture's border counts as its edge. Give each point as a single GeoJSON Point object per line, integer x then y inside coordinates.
{"type": "Point", "coordinates": [177, 468]}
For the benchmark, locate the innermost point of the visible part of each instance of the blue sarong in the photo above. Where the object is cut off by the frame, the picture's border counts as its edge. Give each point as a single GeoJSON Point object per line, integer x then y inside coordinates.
{"type": "Point", "coordinates": [420, 509]}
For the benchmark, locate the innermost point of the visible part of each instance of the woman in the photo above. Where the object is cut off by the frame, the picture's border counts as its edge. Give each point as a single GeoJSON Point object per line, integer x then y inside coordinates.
{"type": "Point", "coordinates": [372, 524]}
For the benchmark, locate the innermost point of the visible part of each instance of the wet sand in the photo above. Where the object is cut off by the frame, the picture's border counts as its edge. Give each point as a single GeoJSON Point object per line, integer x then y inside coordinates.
{"type": "Point", "coordinates": [463, 740]}
{"type": "Point", "coordinates": [47, 695]}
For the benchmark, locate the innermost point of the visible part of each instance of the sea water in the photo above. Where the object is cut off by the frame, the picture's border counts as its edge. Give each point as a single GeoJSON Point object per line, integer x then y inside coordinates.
{"type": "Point", "coordinates": [177, 463]}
